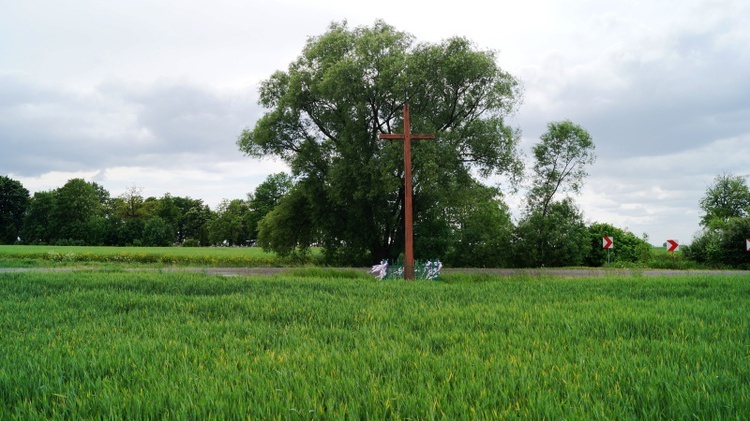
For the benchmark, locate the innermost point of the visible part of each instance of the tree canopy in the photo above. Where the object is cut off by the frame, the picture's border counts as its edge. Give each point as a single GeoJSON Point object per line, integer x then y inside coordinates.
{"type": "Point", "coordinates": [325, 113]}
{"type": "Point", "coordinates": [13, 201]}
{"type": "Point", "coordinates": [728, 197]}
{"type": "Point", "coordinates": [560, 160]}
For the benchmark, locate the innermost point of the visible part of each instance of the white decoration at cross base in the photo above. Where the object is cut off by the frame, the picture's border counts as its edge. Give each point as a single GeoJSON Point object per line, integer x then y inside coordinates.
{"type": "Point", "coordinates": [381, 270]}
{"type": "Point", "coordinates": [430, 270]}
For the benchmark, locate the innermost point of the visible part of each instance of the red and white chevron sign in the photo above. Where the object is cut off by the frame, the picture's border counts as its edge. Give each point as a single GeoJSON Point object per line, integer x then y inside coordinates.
{"type": "Point", "coordinates": [607, 242]}
{"type": "Point", "coordinates": [747, 244]}
{"type": "Point", "coordinates": [672, 245]}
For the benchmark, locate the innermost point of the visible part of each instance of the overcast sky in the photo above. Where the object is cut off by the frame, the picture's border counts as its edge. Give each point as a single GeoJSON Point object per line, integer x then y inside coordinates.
{"type": "Point", "coordinates": [153, 94]}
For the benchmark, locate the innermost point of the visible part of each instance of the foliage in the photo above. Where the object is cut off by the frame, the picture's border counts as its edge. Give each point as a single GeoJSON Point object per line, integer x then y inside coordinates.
{"type": "Point", "coordinates": [265, 198]}
{"type": "Point", "coordinates": [663, 259]}
{"type": "Point", "coordinates": [14, 199]}
{"type": "Point", "coordinates": [288, 229]}
{"type": "Point", "coordinates": [726, 225]}
{"type": "Point", "coordinates": [728, 197]}
{"type": "Point", "coordinates": [131, 232]}
{"type": "Point", "coordinates": [191, 242]}
{"type": "Point", "coordinates": [72, 214]}
{"type": "Point", "coordinates": [157, 232]}
{"type": "Point", "coordinates": [559, 238]}
{"type": "Point", "coordinates": [194, 223]}
{"type": "Point", "coordinates": [74, 205]}
{"type": "Point", "coordinates": [37, 228]}
{"type": "Point", "coordinates": [347, 87]}
{"type": "Point", "coordinates": [627, 247]}
{"type": "Point", "coordinates": [92, 345]}
{"type": "Point", "coordinates": [481, 230]}
{"type": "Point", "coordinates": [228, 226]}
{"type": "Point", "coordinates": [83, 213]}
{"type": "Point", "coordinates": [560, 160]}
{"type": "Point", "coordinates": [130, 204]}
{"type": "Point", "coordinates": [722, 244]}
{"type": "Point", "coordinates": [552, 233]}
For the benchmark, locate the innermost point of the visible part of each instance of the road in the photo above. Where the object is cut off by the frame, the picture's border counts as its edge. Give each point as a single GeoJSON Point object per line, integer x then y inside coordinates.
{"type": "Point", "coordinates": [542, 272]}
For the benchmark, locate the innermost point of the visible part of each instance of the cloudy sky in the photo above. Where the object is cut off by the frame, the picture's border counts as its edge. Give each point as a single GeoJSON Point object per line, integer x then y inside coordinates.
{"type": "Point", "coordinates": [153, 93]}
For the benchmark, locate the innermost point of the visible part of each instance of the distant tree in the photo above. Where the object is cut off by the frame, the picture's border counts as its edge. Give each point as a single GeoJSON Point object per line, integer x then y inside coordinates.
{"type": "Point", "coordinates": [266, 197]}
{"type": "Point", "coordinates": [150, 205]}
{"type": "Point", "coordinates": [158, 233]}
{"type": "Point", "coordinates": [228, 224]}
{"type": "Point", "coordinates": [100, 231]}
{"type": "Point", "coordinates": [268, 193]}
{"type": "Point", "coordinates": [325, 113]}
{"type": "Point", "coordinates": [552, 232]}
{"type": "Point", "coordinates": [288, 229]}
{"type": "Point", "coordinates": [557, 238]}
{"type": "Point", "coordinates": [131, 231]}
{"type": "Point", "coordinates": [728, 197]}
{"type": "Point", "coordinates": [37, 221]}
{"type": "Point", "coordinates": [481, 231]}
{"type": "Point", "coordinates": [130, 204]}
{"type": "Point", "coordinates": [14, 199]}
{"type": "Point", "coordinates": [722, 244]}
{"type": "Point", "coordinates": [726, 225]}
{"type": "Point", "coordinates": [183, 227]}
{"type": "Point", "coordinates": [103, 195]}
{"type": "Point", "coordinates": [75, 204]}
{"type": "Point", "coordinates": [121, 214]}
{"type": "Point", "coordinates": [195, 222]}
{"type": "Point", "coordinates": [168, 209]}
{"type": "Point", "coordinates": [560, 163]}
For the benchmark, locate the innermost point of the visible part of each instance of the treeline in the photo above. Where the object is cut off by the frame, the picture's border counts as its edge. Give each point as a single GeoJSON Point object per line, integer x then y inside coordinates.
{"type": "Point", "coordinates": [84, 213]}
{"type": "Point", "coordinates": [484, 235]}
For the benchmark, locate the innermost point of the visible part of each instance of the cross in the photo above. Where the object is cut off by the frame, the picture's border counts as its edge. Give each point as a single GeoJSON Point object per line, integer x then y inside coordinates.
{"type": "Point", "coordinates": [407, 136]}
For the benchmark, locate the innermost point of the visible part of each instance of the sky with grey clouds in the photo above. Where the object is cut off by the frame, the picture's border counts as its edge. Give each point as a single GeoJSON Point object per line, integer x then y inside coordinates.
{"type": "Point", "coordinates": [154, 93]}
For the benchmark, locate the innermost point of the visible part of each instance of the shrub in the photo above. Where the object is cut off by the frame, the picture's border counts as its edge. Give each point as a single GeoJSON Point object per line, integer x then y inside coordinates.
{"type": "Point", "coordinates": [191, 242]}
{"type": "Point", "coordinates": [722, 244]}
{"type": "Point", "coordinates": [627, 248]}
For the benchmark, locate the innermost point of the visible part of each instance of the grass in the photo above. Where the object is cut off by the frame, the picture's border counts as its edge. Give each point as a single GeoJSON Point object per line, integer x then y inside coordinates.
{"type": "Point", "coordinates": [34, 256]}
{"type": "Point", "coordinates": [329, 344]}
{"type": "Point", "coordinates": [663, 259]}
{"type": "Point", "coordinates": [23, 256]}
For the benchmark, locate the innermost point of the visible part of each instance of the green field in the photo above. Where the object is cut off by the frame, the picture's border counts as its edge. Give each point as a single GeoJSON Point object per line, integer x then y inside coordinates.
{"type": "Point", "coordinates": [15, 256]}
{"type": "Point", "coordinates": [133, 345]}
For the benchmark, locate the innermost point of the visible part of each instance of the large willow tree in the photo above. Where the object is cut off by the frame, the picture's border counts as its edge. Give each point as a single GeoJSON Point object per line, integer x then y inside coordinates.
{"type": "Point", "coordinates": [324, 115]}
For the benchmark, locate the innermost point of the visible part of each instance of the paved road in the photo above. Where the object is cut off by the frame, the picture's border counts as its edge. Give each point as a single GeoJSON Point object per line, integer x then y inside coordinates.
{"type": "Point", "coordinates": [554, 272]}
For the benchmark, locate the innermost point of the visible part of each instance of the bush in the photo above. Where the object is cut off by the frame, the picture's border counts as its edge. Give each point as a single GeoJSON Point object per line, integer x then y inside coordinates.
{"type": "Point", "coordinates": [722, 244]}
{"type": "Point", "coordinates": [557, 239]}
{"type": "Point", "coordinates": [157, 232]}
{"type": "Point", "coordinates": [672, 260]}
{"type": "Point", "coordinates": [627, 248]}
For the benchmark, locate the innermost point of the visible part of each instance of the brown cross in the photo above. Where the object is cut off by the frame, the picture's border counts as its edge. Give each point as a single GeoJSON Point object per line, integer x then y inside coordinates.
{"type": "Point", "coordinates": [407, 136]}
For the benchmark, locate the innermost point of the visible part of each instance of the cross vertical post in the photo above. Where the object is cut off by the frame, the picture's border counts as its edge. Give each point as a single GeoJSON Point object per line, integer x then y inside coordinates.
{"type": "Point", "coordinates": [407, 136]}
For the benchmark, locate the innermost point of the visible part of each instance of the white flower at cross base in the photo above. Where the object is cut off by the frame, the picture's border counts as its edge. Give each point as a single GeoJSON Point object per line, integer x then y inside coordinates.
{"type": "Point", "coordinates": [432, 270]}
{"type": "Point", "coordinates": [381, 270]}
